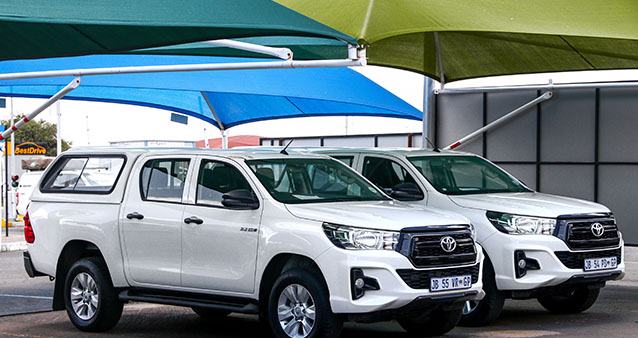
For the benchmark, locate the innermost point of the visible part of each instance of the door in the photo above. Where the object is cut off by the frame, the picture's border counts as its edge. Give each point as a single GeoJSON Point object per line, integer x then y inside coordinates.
{"type": "Point", "coordinates": [219, 248]}
{"type": "Point", "coordinates": [151, 220]}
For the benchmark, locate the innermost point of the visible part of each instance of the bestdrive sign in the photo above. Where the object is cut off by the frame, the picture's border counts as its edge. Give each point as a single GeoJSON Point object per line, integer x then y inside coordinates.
{"type": "Point", "coordinates": [30, 148]}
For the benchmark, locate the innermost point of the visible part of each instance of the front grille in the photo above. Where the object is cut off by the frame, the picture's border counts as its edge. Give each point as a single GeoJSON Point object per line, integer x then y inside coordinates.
{"type": "Point", "coordinates": [420, 279]}
{"type": "Point", "coordinates": [424, 248]}
{"type": "Point", "coordinates": [576, 231]}
{"type": "Point", "coordinates": [576, 260]}
{"type": "Point", "coordinates": [580, 235]}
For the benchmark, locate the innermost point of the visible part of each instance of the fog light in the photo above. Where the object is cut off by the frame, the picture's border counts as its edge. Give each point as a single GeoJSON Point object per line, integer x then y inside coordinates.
{"type": "Point", "coordinates": [522, 264]}
{"type": "Point", "coordinates": [361, 283]}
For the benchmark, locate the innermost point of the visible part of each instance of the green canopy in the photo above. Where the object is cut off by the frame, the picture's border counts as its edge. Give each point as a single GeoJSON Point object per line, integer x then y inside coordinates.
{"type": "Point", "coordinates": [48, 28]}
{"type": "Point", "coordinates": [486, 37]}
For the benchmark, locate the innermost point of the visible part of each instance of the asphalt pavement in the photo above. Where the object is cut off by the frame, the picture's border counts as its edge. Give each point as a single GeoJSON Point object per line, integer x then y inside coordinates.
{"type": "Point", "coordinates": [614, 315]}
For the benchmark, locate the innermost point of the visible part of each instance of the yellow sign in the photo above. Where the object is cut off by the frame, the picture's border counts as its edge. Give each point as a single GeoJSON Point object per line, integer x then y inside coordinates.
{"type": "Point", "coordinates": [30, 148]}
{"type": "Point", "coordinates": [7, 144]}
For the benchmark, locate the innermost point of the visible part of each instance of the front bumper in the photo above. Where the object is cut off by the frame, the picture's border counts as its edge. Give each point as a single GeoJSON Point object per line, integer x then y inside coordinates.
{"type": "Point", "coordinates": [394, 292]}
{"type": "Point", "coordinates": [542, 248]}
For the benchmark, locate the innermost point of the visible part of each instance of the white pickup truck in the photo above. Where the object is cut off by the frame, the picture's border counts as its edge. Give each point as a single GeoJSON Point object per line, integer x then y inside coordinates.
{"type": "Point", "coordinates": [556, 249]}
{"type": "Point", "coordinates": [302, 240]}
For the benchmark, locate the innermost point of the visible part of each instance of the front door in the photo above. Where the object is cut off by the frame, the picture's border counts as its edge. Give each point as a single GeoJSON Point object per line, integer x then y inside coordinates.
{"type": "Point", "coordinates": [151, 220]}
{"type": "Point", "coordinates": [219, 245]}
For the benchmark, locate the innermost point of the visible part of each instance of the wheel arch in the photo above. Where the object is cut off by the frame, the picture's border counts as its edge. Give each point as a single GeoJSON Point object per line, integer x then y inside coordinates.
{"type": "Point", "coordinates": [280, 263]}
{"type": "Point", "coordinates": [73, 251]}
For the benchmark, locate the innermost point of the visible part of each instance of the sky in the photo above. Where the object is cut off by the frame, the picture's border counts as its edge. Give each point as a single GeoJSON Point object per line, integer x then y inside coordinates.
{"type": "Point", "coordinates": [97, 124]}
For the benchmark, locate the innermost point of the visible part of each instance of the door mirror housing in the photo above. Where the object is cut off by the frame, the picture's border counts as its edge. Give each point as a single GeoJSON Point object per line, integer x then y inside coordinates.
{"type": "Point", "coordinates": [406, 192]}
{"type": "Point", "coordinates": [240, 199]}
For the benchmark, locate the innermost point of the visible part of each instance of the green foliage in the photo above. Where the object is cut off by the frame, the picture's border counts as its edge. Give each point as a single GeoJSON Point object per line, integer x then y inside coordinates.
{"type": "Point", "coordinates": [38, 132]}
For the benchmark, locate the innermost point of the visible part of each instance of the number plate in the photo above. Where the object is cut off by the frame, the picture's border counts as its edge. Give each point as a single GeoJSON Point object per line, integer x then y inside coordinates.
{"type": "Point", "coordinates": [450, 283]}
{"type": "Point", "coordinates": [605, 263]}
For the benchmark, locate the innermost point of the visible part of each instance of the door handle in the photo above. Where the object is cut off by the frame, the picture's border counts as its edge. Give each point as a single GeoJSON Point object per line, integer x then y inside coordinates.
{"type": "Point", "coordinates": [135, 215]}
{"type": "Point", "coordinates": [193, 219]}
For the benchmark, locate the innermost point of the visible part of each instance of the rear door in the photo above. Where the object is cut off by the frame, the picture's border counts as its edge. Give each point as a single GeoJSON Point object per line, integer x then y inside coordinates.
{"type": "Point", "coordinates": [151, 219]}
{"type": "Point", "coordinates": [219, 251]}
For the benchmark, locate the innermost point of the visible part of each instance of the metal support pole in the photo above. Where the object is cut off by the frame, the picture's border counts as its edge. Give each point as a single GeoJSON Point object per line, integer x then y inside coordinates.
{"type": "Point", "coordinates": [546, 96]}
{"type": "Point", "coordinates": [6, 187]}
{"type": "Point", "coordinates": [428, 110]}
{"type": "Point", "coordinates": [282, 53]}
{"type": "Point", "coordinates": [288, 64]}
{"type": "Point", "coordinates": [59, 132]}
{"type": "Point", "coordinates": [224, 139]}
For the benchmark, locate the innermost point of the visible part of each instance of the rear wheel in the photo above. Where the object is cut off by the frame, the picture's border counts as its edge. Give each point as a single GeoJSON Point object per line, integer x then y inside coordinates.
{"type": "Point", "coordinates": [90, 299]}
{"type": "Point", "coordinates": [578, 300]}
{"type": "Point", "coordinates": [488, 309]}
{"type": "Point", "coordinates": [433, 324]}
{"type": "Point", "coordinates": [299, 307]}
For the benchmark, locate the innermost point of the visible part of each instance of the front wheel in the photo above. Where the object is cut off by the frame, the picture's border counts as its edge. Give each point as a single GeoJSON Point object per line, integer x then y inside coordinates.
{"type": "Point", "coordinates": [90, 299]}
{"type": "Point", "coordinates": [488, 309]}
{"type": "Point", "coordinates": [299, 307]}
{"type": "Point", "coordinates": [578, 300]}
{"type": "Point", "coordinates": [433, 324]}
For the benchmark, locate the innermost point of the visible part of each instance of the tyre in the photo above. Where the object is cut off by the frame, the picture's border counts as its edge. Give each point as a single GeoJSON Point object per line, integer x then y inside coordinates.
{"type": "Point", "coordinates": [488, 309]}
{"type": "Point", "coordinates": [299, 307]}
{"type": "Point", "coordinates": [578, 300]}
{"type": "Point", "coordinates": [90, 299]}
{"type": "Point", "coordinates": [206, 313]}
{"type": "Point", "coordinates": [433, 324]}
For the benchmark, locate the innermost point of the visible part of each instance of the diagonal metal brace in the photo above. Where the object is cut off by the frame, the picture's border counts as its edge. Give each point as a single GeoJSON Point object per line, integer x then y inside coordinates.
{"type": "Point", "coordinates": [546, 96]}
{"type": "Point", "coordinates": [72, 85]}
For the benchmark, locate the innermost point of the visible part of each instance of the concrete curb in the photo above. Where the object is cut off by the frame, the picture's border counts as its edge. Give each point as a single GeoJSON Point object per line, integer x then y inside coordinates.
{"type": "Point", "coordinates": [16, 246]}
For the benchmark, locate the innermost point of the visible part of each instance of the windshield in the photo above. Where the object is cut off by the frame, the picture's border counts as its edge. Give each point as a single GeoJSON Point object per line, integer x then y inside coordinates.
{"type": "Point", "coordinates": [296, 181]}
{"type": "Point", "coordinates": [464, 175]}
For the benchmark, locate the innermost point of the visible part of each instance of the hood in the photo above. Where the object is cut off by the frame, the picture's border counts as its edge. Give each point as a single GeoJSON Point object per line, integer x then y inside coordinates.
{"type": "Point", "coordinates": [529, 204]}
{"type": "Point", "coordinates": [382, 215]}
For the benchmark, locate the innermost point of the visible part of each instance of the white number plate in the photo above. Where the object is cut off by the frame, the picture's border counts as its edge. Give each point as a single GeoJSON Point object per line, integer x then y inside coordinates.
{"type": "Point", "coordinates": [450, 283]}
{"type": "Point", "coordinates": [593, 264]}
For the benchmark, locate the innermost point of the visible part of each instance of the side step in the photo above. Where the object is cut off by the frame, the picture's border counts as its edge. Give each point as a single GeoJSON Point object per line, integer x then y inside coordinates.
{"type": "Point", "coordinates": [232, 304]}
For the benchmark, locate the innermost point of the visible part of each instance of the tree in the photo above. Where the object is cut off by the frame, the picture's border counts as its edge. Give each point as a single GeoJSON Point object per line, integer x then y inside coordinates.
{"type": "Point", "coordinates": [38, 132]}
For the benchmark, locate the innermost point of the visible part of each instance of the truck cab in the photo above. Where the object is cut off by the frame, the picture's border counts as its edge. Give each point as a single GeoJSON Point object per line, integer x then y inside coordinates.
{"type": "Point", "coordinates": [556, 249]}
{"type": "Point", "coordinates": [301, 240]}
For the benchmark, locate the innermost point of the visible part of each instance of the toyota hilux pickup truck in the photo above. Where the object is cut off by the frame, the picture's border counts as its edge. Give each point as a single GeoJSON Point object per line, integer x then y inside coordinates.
{"type": "Point", "coordinates": [301, 240]}
{"type": "Point", "coordinates": [556, 249]}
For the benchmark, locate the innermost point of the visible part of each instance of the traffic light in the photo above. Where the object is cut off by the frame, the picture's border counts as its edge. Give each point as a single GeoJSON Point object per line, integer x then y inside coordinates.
{"type": "Point", "coordinates": [14, 181]}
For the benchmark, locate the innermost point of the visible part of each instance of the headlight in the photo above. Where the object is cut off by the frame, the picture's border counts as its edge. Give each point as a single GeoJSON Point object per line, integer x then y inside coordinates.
{"type": "Point", "coordinates": [521, 225]}
{"type": "Point", "coordinates": [352, 238]}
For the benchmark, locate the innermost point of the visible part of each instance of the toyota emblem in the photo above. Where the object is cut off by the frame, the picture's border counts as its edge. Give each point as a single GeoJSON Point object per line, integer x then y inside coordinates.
{"type": "Point", "coordinates": [597, 229]}
{"type": "Point", "coordinates": [448, 244]}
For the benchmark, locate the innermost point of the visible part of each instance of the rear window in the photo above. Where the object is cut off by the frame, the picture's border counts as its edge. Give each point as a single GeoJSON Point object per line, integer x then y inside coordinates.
{"type": "Point", "coordinates": [84, 174]}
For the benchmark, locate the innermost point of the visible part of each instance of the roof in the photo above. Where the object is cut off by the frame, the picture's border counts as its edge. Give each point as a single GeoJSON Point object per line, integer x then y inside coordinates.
{"type": "Point", "coordinates": [246, 154]}
{"type": "Point", "coordinates": [384, 150]}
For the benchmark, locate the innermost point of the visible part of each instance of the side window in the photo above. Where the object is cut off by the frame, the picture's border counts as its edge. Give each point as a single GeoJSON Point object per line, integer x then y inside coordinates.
{"type": "Point", "coordinates": [345, 159]}
{"type": "Point", "coordinates": [215, 179]}
{"type": "Point", "coordinates": [162, 180]}
{"type": "Point", "coordinates": [386, 173]}
{"type": "Point", "coordinates": [90, 174]}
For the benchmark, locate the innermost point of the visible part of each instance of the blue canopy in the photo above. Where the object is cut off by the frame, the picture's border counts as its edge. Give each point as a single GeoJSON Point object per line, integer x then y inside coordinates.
{"type": "Point", "coordinates": [236, 96]}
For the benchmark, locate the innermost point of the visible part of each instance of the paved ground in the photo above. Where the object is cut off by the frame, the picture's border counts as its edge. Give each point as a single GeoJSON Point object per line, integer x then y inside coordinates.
{"type": "Point", "coordinates": [15, 241]}
{"type": "Point", "coordinates": [614, 315]}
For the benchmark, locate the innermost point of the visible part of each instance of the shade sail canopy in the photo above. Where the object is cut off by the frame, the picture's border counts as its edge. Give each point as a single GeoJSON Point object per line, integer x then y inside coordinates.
{"type": "Point", "coordinates": [486, 37]}
{"type": "Point", "coordinates": [236, 97]}
{"type": "Point", "coordinates": [48, 28]}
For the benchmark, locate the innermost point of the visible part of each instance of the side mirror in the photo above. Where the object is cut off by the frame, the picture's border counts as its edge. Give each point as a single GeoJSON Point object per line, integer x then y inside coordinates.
{"type": "Point", "coordinates": [240, 199]}
{"type": "Point", "coordinates": [406, 192]}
